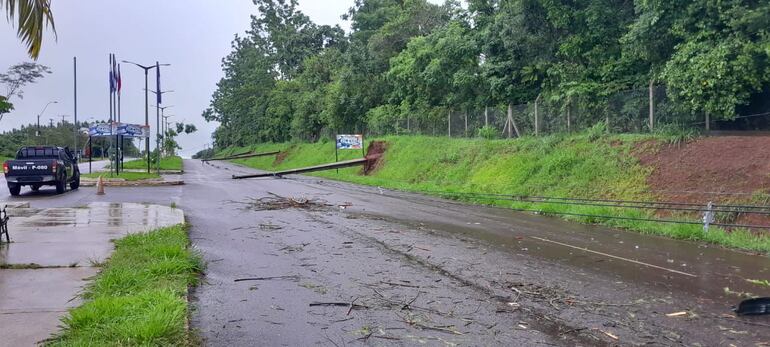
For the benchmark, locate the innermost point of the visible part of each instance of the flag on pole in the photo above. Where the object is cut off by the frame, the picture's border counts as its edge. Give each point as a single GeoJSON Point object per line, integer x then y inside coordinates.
{"type": "Point", "coordinates": [157, 81]}
{"type": "Point", "coordinates": [120, 82]}
{"type": "Point", "coordinates": [112, 77]}
{"type": "Point", "coordinates": [115, 72]}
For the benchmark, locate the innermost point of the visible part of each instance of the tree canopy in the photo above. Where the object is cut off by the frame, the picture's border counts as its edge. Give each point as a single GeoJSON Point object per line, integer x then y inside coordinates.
{"type": "Point", "coordinates": [291, 79]}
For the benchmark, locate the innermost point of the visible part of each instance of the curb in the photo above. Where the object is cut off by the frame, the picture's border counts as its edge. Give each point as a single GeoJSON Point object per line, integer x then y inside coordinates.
{"type": "Point", "coordinates": [146, 183]}
{"type": "Point", "coordinates": [162, 172]}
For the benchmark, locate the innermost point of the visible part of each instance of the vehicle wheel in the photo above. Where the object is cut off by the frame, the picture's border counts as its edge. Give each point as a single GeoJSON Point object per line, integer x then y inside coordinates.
{"type": "Point", "coordinates": [75, 184]}
{"type": "Point", "coordinates": [35, 188]}
{"type": "Point", "coordinates": [61, 185]}
{"type": "Point", "coordinates": [14, 189]}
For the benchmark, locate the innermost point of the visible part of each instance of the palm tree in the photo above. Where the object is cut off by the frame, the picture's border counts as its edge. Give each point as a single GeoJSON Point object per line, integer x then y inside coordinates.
{"type": "Point", "coordinates": [32, 16]}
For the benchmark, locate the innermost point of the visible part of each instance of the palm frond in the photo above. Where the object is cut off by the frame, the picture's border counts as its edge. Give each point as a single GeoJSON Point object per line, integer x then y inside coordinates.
{"type": "Point", "coordinates": [31, 16]}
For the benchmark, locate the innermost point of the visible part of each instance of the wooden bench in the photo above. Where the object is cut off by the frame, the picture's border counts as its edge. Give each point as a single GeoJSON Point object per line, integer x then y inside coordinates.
{"type": "Point", "coordinates": [4, 225]}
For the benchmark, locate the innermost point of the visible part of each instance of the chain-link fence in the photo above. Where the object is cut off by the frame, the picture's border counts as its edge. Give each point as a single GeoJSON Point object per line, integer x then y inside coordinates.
{"type": "Point", "coordinates": [630, 111]}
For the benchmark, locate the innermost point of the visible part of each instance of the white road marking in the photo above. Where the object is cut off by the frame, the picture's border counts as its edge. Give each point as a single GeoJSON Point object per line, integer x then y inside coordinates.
{"type": "Point", "coordinates": [615, 256]}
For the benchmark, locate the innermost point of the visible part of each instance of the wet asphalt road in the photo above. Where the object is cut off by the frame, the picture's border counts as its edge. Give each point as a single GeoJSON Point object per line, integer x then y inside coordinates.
{"type": "Point", "coordinates": [421, 270]}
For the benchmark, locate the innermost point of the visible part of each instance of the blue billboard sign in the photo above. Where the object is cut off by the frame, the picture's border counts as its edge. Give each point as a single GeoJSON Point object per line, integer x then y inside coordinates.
{"type": "Point", "coordinates": [122, 129]}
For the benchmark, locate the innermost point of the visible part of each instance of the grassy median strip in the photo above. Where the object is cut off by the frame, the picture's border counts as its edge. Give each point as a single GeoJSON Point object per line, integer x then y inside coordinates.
{"type": "Point", "coordinates": [126, 175]}
{"type": "Point", "coordinates": [138, 298]}
{"type": "Point", "coordinates": [166, 163]}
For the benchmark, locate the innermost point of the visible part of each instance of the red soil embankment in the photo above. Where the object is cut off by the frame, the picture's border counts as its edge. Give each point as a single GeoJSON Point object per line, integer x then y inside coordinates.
{"type": "Point", "coordinates": [374, 154]}
{"type": "Point", "coordinates": [720, 169]}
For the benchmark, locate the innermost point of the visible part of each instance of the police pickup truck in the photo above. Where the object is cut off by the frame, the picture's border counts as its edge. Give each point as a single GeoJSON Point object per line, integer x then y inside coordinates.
{"type": "Point", "coordinates": [40, 166]}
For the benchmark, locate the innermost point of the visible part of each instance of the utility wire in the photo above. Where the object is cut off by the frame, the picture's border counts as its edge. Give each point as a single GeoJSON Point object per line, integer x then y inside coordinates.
{"type": "Point", "coordinates": [580, 201]}
{"type": "Point", "coordinates": [523, 197]}
{"type": "Point", "coordinates": [691, 209]}
{"type": "Point", "coordinates": [646, 219]}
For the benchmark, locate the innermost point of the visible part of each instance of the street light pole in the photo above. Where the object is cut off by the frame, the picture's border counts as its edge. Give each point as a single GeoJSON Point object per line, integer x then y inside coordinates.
{"type": "Point", "coordinates": [162, 110]}
{"type": "Point", "coordinates": [41, 112]}
{"type": "Point", "coordinates": [165, 123]}
{"type": "Point", "coordinates": [146, 109]}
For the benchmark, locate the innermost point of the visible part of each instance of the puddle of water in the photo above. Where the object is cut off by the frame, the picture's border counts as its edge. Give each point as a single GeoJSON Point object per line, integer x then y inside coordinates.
{"type": "Point", "coordinates": [110, 214]}
{"type": "Point", "coordinates": [61, 236]}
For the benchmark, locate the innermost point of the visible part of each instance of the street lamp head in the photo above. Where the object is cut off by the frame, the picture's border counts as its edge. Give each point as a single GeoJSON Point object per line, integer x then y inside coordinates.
{"type": "Point", "coordinates": [146, 67]}
{"type": "Point", "coordinates": [163, 92]}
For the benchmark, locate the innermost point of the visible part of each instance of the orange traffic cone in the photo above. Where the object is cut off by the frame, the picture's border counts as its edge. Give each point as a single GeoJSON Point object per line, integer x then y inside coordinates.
{"type": "Point", "coordinates": [100, 186]}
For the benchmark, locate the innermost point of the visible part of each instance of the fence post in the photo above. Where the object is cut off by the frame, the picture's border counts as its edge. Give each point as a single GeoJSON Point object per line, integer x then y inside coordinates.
{"type": "Point", "coordinates": [511, 122]}
{"type": "Point", "coordinates": [449, 123]}
{"type": "Point", "coordinates": [708, 122]}
{"type": "Point", "coordinates": [569, 124]}
{"type": "Point", "coordinates": [537, 116]}
{"type": "Point", "coordinates": [708, 216]}
{"type": "Point", "coordinates": [652, 107]}
{"type": "Point", "coordinates": [486, 116]}
{"type": "Point", "coordinates": [466, 123]}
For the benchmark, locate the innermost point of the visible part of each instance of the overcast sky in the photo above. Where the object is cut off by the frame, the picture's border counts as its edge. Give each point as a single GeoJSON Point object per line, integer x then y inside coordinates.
{"type": "Point", "coordinates": [192, 35]}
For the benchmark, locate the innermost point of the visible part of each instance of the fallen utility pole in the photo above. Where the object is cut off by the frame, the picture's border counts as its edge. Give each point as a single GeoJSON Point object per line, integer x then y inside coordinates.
{"type": "Point", "coordinates": [240, 154]}
{"type": "Point", "coordinates": [331, 166]}
{"type": "Point", "coordinates": [245, 156]}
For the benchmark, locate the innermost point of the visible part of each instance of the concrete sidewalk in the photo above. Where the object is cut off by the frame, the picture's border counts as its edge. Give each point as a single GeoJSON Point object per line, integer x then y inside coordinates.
{"type": "Point", "coordinates": [52, 254]}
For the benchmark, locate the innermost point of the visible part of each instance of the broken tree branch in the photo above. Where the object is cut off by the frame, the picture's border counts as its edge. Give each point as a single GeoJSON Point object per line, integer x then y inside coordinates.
{"type": "Point", "coordinates": [399, 284]}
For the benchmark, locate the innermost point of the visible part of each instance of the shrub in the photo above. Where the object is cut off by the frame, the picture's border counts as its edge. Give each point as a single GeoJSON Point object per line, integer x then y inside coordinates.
{"type": "Point", "coordinates": [488, 132]}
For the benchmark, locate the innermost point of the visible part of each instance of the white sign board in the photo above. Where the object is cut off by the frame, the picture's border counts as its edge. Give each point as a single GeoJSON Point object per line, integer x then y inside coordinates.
{"type": "Point", "coordinates": [350, 141]}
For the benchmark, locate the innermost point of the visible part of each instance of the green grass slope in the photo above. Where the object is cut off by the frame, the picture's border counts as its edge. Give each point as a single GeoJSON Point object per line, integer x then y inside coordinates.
{"type": "Point", "coordinates": [586, 165]}
{"type": "Point", "coordinates": [166, 163]}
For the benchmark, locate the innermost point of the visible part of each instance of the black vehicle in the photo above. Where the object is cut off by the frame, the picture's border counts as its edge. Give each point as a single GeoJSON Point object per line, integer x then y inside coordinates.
{"type": "Point", "coordinates": [42, 166]}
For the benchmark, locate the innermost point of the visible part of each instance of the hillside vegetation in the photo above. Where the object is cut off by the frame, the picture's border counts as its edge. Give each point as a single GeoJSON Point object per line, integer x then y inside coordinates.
{"type": "Point", "coordinates": [408, 65]}
{"type": "Point", "coordinates": [585, 165]}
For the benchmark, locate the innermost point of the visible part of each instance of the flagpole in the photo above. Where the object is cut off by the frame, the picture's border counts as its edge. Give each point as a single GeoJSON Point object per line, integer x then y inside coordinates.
{"type": "Point", "coordinates": [111, 109]}
{"type": "Point", "coordinates": [120, 139]}
{"type": "Point", "coordinates": [115, 116]}
{"type": "Point", "coordinates": [75, 99]}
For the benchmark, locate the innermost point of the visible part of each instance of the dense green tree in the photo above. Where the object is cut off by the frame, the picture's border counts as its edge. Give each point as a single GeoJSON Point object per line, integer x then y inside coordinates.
{"type": "Point", "coordinates": [289, 36]}
{"type": "Point", "coordinates": [722, 57]}
{"type": "Point", "coordinates": [519, 44]}
{"type": "Point", "coordinates": [438, 70]}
